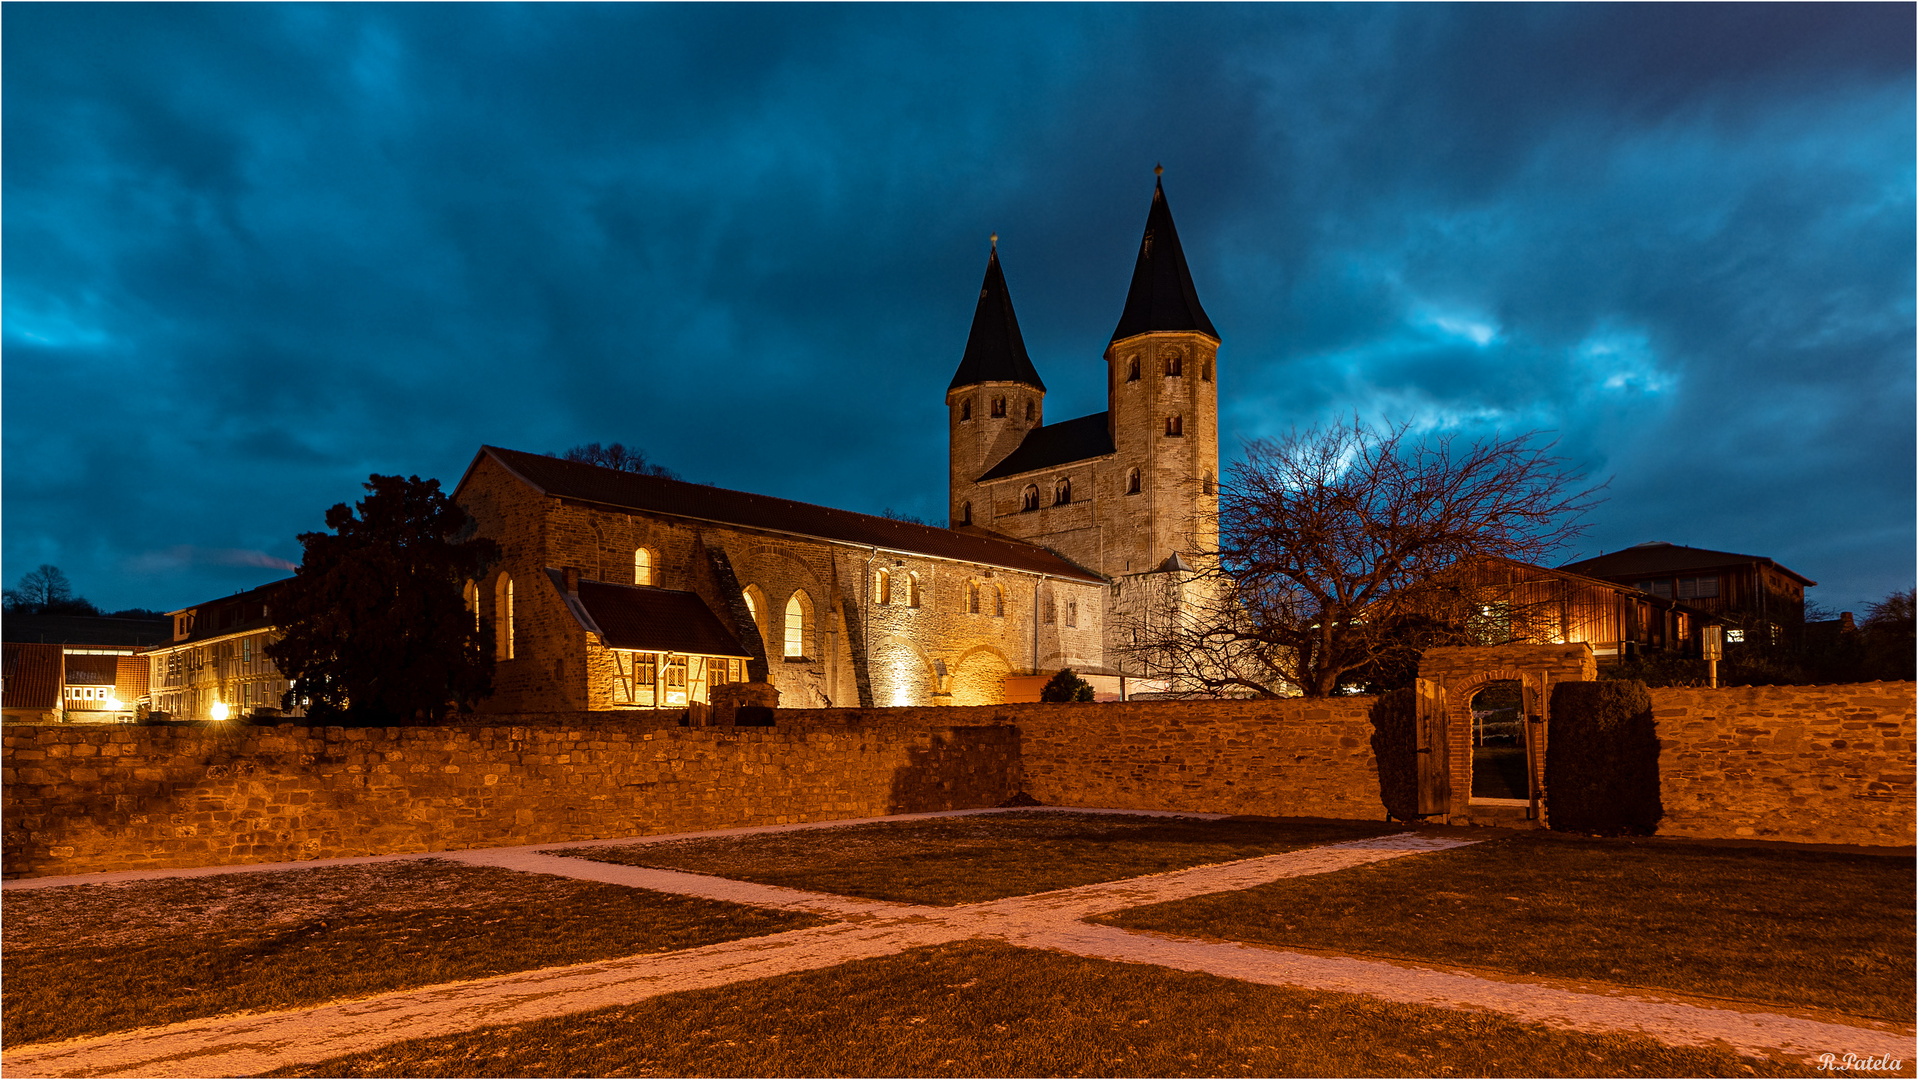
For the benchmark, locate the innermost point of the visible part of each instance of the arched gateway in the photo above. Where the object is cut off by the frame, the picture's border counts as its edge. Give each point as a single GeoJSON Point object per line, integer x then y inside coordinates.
{"type": "Point", "coordinates": [1452, 678]}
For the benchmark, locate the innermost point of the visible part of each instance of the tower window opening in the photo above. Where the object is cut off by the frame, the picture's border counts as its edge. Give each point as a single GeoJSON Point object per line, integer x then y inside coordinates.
{"type": "Point", "coordinates": [1132, 369]}
{"type": "Point", "coordinates": [965, 410]}
{"type": "Point", "coordinates": [1205, 483]}
{"type": "Point", "coordinates": [998, 406]}
{"type": "Point", "coordinates": [1205, 371]}
{"type": "Point", "coordinates": [1031, 410]}
{"type": "Point", "coordinates": [1174, 365]}
{"type": "Point", "coordinates": [1029, 498]}
{"type": "Point", "coordinates": [1132, 482]}
{"type": "Point", "coordinates": [1062, 492]}
{"type": "Point", "coordinates": [965, 513]}
{"type": "Point", "coordinates": [1175, 426]}
{"type": "Point", "coordinates": [998, 602]}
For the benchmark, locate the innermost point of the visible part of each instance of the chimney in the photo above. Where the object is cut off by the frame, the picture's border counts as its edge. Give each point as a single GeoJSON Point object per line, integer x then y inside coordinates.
{"type": "Point", "coordinates": [571, 576]}
{"type": "Point", "coordinates": [1845, 625]}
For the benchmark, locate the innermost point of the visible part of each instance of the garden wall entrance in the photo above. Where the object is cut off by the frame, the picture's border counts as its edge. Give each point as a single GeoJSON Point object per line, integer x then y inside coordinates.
{"type": "Point", "coordinates": [1515, 685]}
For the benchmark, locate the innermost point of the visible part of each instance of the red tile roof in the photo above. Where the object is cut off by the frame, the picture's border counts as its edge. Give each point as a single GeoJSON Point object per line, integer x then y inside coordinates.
{"type": "Point", "coordinates": [30, 676]}
{"type": "Point", "coordinates": [700, 502]}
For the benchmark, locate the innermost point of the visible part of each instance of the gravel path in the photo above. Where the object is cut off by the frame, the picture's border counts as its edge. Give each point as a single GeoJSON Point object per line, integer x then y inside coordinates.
{"type": "Point", "coordinates": [249, 1044]}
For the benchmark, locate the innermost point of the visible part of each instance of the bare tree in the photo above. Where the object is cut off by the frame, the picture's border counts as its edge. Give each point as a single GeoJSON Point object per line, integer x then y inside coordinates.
{"type": "Point", "coordinates": [45, 590]}
{"type": "Point", "coordinates": [1339, 547]}
{"type": "Point", "coordinates": [617, 456]}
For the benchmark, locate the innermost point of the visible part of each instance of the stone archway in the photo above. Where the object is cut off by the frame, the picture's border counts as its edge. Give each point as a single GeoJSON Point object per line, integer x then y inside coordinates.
{"type": "Point", "coordinates": [1463, 671]}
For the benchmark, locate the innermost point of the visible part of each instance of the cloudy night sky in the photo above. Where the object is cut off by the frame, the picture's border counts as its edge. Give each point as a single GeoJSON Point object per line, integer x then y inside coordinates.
{"type": "Point", "coordinates": [254, 253]}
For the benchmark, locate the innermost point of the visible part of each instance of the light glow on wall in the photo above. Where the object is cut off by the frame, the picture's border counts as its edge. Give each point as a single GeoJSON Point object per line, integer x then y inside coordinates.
{"type": "Point", "coordinates": [220, 711]}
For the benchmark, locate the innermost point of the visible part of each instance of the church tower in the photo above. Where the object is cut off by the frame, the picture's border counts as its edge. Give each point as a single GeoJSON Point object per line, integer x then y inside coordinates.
{"type": "Point", "coordinates": [1163, 406]}
{"type": "Point", "coordinates": [995, 397]}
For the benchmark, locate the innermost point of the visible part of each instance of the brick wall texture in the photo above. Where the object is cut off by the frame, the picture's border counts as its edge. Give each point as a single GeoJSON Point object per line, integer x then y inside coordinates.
{"type": "Point", "coordinates": [1806, 764]}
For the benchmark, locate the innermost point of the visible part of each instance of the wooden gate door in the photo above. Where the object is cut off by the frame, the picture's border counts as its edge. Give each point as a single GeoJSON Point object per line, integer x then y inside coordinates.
{"type": "Point", "coordinates": [1435, 773]}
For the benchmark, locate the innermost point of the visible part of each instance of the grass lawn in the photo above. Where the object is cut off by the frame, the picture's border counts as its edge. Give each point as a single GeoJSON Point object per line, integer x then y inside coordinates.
{"type": "Point", "coordinates": [90, 959]}
{"type": "Point", "coordinates": [989, 1009]}
{"type": "Point", "coordinates": [964, 860]}
{"type": "Point", "coordinates": [1755, 924]}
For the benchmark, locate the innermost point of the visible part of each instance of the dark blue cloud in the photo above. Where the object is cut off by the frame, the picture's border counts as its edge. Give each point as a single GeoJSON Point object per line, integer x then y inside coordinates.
{"type": "Point", "coordinates": [256, 252]}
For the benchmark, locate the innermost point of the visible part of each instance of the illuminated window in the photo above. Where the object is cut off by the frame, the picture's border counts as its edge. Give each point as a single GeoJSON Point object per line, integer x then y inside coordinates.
{"type": "Point", "coordinates": [1734, 637]}
{"type": "Point", "coordinates": [1132, 482]}
{"type": "Point", "coordinates": [1029, 498]}
{"type": "Point", "coordinates": [1062, 492]}
{"type": "Point", "coordinates": [912, 589]}
{"type": "Point", "coordinates": [1072, 612]}
{"type": "Point", "coordinates": [999, 406]}
{"type": "Point", "coordinates": [882, 588]}
{"type": "Point", "coordinates": [673, 679]}
{"type": "Point", "coordinates": [503, 616]}
{"type": "Point", "coordinates": [998, 602]}
{"type": "Point", "coordinates": [965, 409]}
{"type": "Point", "coordinates": [1132, 369]}
{"type": "Point", "coordinates": [755, 603]}
{"type": "Point", "coordinates": [972, 598]}
{"type": "Point", "coordinates": [643, 568]}
{"type": "Point", "coordinates": [1175, 426]}
{"type": "Point", "coordinates": [473, 604]}
{"type": "Point", "coordinates": [1174, 364]}
{"type": "Point", "coordinates": [798, 624]}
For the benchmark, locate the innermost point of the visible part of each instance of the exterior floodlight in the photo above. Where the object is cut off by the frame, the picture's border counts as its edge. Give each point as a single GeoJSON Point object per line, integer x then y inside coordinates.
{"type": "Point", "coordinates": [115, 704]}
{"type": "Point", "coordinates": [220, 711]}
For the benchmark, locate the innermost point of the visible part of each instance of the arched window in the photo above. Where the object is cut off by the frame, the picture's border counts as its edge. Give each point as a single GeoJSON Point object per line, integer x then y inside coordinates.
{"type": "Point", "coordinates": [1029, 498]}
{"type": "Point", "coordinates": [1062, 491]}
{"type": "Point", "coordinates": [972, 598]}
{"type": "Point", "coordinates": [1205, 371]}
{"type": "Point", "coordinates": [1032, 409]}
{"type": "Point", "coordinates": [999, 406]}
{"type": "Point", "coordinates": [912, 588]}
{"type": "Point", "coordinates": [1050, 613]}
{"type": "Point", "coordinates": [755, 603]}
{"type": "Point", "coordinates": [1175, 426]}
{"type": "Point", "coordinates": [1132, 482]}
{"type": "Point", "coordinates": [998, 602]}
{"type": "Point", "coordinates": [1205, 483]}
{"type": "Point", "coordinates": [799, 624]}
{"type": "Point", "coordinates": [643, 571]}
{"type": "Point", "coordinates": [473, 604]}
{"type": "Point", "coordinates": [1132, 369]}
{"type": "Point", "coordinates": [882, 587]}
{"type": "Point", "coordinates": [965, 512]}
{"type": "Point", "coordinates": [503, 616]}
{"type": "Point", "coordinates": [1174, 364]}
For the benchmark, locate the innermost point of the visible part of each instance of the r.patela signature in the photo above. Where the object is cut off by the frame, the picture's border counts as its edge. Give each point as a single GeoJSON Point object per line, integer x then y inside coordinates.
{"type": "Point", "coordinates": [1852, 1062]}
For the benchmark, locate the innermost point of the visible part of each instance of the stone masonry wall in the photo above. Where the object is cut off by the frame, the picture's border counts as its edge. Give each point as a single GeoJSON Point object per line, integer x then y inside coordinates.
{"type": "Point", "coordinates": [81, 799]}
{"type": "Point", "coordinates": [1830, 764]}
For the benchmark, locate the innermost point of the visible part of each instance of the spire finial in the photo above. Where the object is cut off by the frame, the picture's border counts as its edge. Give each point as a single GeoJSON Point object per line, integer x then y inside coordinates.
{"type": "Point", "coordinates": [1158, 170]}
{"type": "Point", "coordinates": [995, 241]}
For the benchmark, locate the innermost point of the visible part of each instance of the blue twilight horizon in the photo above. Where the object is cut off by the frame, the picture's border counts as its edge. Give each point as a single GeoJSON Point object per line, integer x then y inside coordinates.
{"type": "Point", "coordinates": [256, 252]}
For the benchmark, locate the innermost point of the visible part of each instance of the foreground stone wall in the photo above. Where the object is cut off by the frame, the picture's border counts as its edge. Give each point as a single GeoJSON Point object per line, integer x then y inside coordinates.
{"type": "Point", "coordinates": [1828, 764]}
{"type": "Point", "coordinates": [81, 799]}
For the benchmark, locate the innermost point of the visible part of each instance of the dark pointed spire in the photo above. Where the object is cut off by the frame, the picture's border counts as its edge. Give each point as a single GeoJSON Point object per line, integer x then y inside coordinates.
{"type": "Point", "coordinates": [994, 350]}
{"type": "Point", "coordinates": [1162, 296]}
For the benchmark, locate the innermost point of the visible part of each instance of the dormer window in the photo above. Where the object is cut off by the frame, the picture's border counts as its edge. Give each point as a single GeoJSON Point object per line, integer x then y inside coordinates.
{"type": "Point", "coordinates": [1174, 364]}
{"type": "Point", "coordinates": [1029, 498]}
{"type": "Point", "coordinates": [1174, 426]}
{"type": "Point", "coordinates": [999, 407]}
{"type": "Point", "coordinates": [965, 410]}
{"type": "Point", "coordinates": [1062, 492]}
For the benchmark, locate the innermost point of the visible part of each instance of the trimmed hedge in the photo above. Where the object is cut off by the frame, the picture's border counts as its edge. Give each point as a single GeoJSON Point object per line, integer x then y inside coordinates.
{"type": "Point", "coordinates": [1395, 746]}
{"type": "Point", "coordinates": [1601, 759]}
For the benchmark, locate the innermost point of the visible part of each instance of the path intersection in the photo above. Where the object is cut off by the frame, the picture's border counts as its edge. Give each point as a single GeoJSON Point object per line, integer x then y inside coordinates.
{"type": "Point", "coordinates": [249, 1044]}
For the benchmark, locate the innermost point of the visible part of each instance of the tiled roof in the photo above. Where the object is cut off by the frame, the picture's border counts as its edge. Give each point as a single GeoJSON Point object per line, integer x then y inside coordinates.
{"type": "Point", "coordinates": [86, 630]}
{"type": "Point", "coordinates": [250, 610]}
{"type": "Point", "coordinates": [1056, 444]}
{"type": "Point", "coordinates": [30, 676]}
{"type": "Point", "coordinates": [995, 351]}
{"type": "Point", "coordinates": [133, 677]}
{"type": "Point", "coordinates": [1162, 296]}
{"type": "Point", "coordinates": [1663, 558]}
{"type": "Point", "coordinates": [646, 619]}
{"type": "Point", "coordinates": [699, 502]}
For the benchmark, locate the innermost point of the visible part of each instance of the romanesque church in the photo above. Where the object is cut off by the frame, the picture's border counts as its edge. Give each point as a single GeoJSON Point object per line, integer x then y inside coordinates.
{"type": "Point", "coordinates": [620, 591]}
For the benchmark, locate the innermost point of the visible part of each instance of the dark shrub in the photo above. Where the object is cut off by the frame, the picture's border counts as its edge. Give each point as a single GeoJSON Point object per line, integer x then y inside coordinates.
{"type": "Point", "coordinates": [1601, 759]}
{"type": "Point", "coordinates": [1066, 686]}
{"type": "Point", "coordinates": [1395, 745]}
